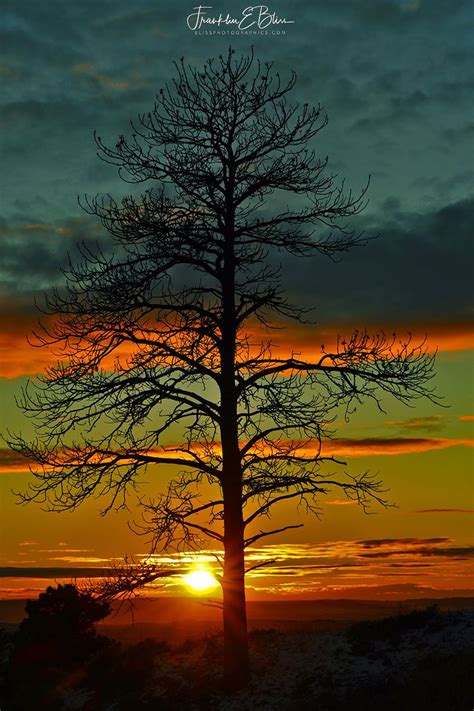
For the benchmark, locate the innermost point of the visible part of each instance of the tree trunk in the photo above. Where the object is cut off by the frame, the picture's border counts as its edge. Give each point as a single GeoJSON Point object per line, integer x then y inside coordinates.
{"type": "Point", "coordinates": [236, 651]}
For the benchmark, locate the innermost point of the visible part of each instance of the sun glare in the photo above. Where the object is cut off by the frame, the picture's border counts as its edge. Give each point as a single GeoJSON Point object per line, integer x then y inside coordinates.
{"type": "Point", "coordinates": [200, 580]}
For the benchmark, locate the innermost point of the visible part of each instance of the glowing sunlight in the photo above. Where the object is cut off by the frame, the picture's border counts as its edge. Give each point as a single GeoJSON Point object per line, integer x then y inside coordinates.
{"type": "Point", "coordinates": [200, 580]}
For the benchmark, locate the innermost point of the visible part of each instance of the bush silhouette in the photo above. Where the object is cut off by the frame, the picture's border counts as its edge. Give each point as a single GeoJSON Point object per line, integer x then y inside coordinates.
{"type": "Point", "coordinates": [52, 645]}
{"type": "Point", "coordinates": [61, 621]}
{"type": "Point", "coordinates": [363, 634]}
{"type": "Point", "coordinates": [124, 674]}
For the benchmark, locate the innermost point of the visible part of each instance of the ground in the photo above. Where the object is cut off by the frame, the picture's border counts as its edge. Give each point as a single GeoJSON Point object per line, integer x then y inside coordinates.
{"type": "Point", "coordinates": [419, 659]}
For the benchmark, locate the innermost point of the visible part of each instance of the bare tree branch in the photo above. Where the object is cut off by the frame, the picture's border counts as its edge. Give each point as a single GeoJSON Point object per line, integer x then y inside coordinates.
{"type": "Point", "coordinates": [164, 357]}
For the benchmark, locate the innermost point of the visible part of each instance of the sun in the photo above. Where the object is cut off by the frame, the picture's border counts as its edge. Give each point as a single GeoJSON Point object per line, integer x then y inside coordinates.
{"type": "Point", "coordinates": [200, 580]}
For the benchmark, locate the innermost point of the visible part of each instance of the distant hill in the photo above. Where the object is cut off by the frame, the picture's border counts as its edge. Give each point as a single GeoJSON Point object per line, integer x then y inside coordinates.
{"type": "Point", "coordinates": [176, 619]}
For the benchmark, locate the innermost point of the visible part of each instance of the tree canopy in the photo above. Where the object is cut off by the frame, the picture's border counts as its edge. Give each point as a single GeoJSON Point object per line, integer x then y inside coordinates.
{"type": "Point", "coordinates": [165, 348]}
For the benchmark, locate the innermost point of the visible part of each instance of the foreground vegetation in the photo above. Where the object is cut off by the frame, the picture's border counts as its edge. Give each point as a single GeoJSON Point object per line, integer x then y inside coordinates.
{"type": "Point", "coordinates": [56, 660]}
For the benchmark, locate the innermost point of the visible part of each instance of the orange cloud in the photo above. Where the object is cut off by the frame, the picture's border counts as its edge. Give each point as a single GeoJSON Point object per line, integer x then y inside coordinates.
{"type": "Point", "coordinates": [466, 418]}
{"type": "Point", "coordinates": [389, 446]}
{"type": "Point", "coordinates": [386, 568]}
{"type": "Point", "coordinates": [341, 502]}
{"type": "Point", "coordinates": [307, 340]}
{"type": "Point", "coordinates": [12, 462]}
{"type": "Point", "coordinates": [18, 320]}
{"type": "Point", "coordinates": [18, 357]}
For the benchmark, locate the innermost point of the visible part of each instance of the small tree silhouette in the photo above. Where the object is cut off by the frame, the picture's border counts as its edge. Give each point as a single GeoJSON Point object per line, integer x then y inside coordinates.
{"type": "Point", "coordinates": [55, 640]}
{"type": "Point", "coordinates": [64, 618]}
{"type": "Point", "coordinates": [191, 294]}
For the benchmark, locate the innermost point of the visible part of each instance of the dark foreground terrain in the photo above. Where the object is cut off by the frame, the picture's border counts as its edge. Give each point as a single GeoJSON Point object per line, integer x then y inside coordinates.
{"type": "Point", "coordinates": [325, 655]}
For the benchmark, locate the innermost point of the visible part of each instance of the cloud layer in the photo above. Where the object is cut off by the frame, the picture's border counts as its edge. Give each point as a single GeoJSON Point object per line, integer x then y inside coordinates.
{"type": "Point", "coordinates": [390, 568]}
{"type": "Point", "coordinates": [398, 111]}
{"type": "Point", "coordinates": [364, 447]}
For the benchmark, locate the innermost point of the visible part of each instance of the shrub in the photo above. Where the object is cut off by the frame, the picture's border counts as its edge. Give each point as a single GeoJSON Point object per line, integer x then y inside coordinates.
{"type": "Point", "coordinates": [362, 635]}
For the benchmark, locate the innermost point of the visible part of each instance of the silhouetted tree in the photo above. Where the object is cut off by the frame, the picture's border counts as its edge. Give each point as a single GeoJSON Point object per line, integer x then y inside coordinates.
{"type": "Point", "coordinates": [55, 639]}
{"type": "Point", "coordinates": [164, 357]}
{"type": "Point", "coordinates": [62, 616]}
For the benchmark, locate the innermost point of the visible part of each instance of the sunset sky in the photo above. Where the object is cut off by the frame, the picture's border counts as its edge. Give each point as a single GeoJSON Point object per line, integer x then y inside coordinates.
{"type": "Point", "coordinates": [396, 78]}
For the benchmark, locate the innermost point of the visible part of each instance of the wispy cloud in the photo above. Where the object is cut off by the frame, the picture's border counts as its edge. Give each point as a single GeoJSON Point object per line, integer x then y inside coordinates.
{"type": "Point", "coordinates": [427, 511]}
{"type": "Point", "coordinates": [11, 462]}
{"type": "Point", "coordinates": [307, 340]}
{"type": "Point", "coordinates": [340, 502]}
{"type": "Point", "coordinates": [8, 73]}
{"type": "Point", "coordinates": [65, 550]}
{"type": "Point", "coordinates": [431, 423]}
{"type": "Point", "coordinates": [90, 70]}
{"type": "Point", "coordinates": [18, 357]}
{"type": "Point", "coordinates": [332, 568]}
{"type": "Point", "coordinates": [84, 67]}
{"type": "Point", "coordinates": [80, 559]}
{"type": "Point", "coordinates": [373, 446]}
{"type": "Point", "coordinates": [47, 573]}
{"type": "Point", "coordinates": [457, 552]}
{"type": "Point", "coordinates": [390, 542]}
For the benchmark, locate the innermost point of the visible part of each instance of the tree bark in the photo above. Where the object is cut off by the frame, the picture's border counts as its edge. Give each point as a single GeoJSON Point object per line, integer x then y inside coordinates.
{"type": "Point", "coordinates": [236, 651]}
